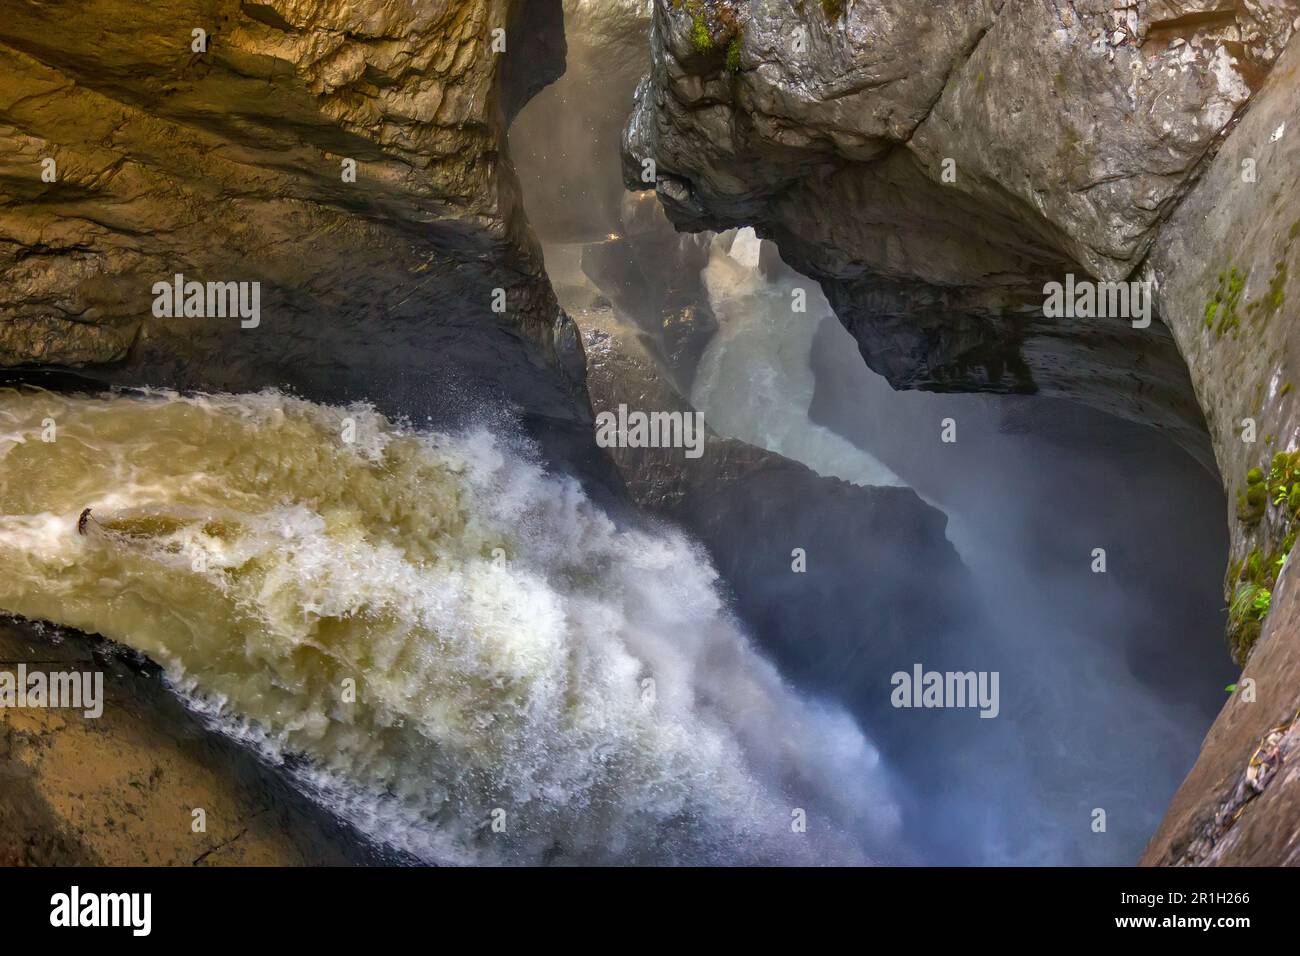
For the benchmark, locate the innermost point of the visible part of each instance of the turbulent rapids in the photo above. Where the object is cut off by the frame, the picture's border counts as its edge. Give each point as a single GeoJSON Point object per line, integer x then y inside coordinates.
{"type": "Point", "coordinates": [461, 653]}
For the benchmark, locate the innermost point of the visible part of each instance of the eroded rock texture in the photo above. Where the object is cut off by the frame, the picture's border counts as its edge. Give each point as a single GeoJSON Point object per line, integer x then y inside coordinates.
{"type": "Point", "coordinates": [566, 148]}
{"type": "Point", "coordinates": [989, 148]}
{"type": "Point", "coordinates": [1228, 266]}
{"type": "Point", "coordinates": [652, 275]}
{"type": "Point", "coordinates": [934, 164]}
{"type": "Point", "coordinates": [121, 789]}
{"type": "Point", "coordinates": [222, 155]}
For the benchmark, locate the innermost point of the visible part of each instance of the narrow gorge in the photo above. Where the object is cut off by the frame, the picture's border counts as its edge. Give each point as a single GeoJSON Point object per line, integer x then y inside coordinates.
{"type": "Point", "coordinates": [366, 582]}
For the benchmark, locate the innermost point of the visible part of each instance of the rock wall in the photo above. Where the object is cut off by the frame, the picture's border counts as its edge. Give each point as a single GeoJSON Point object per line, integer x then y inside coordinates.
{"type": "Point", "coordinates": [224, 156]}
{"type": "Point", "coordinates": [120, 789]}
{"type": "Point", "coordinates": [566, 148]}
{"type": "Point", "coordinates": [934, 165]}
{"type": "Point", "coordinates": [1227, 269]}
{"type": "Point", "coordinates": [1152, 141]}
{"type": "Point", "coordinates": [565, 144]}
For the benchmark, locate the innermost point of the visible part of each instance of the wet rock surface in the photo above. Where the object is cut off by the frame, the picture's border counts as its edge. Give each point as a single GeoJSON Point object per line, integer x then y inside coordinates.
{"type": "Point", "coordinates": [565, 145]}
{"type": "Point", "coordinates": [1145, 141]}
{"type": "Point", "coordinates": [121, 789]}
{"type": "Point", "coordinates": [992, 147]}
{"type": "Point", "coordinates": [230, 161]}
{"type": "Point", "coordinates": [651, 274]}
{"type": "Point", "coordinates": [1238, 334]}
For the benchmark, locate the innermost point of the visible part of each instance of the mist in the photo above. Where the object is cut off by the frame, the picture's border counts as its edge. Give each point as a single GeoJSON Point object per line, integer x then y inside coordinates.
{"type": "Point", "coordinates": [1108, 679]}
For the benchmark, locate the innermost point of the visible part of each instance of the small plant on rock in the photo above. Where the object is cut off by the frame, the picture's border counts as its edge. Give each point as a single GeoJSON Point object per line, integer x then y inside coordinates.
{"type": "Point", "coordinates": [715, 25]}
{"type": "Point", "coordinates": [1252, 581]}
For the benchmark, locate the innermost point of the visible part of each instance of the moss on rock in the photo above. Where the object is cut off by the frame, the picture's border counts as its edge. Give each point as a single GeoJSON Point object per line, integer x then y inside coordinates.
{"type": "Point", "coordinates": [1274, 494]}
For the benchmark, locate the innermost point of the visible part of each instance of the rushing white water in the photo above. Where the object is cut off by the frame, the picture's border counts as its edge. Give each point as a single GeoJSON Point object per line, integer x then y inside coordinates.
{"type": "Point", "coordinates": [517, 658]}
{"type": "Point", "coordinates": [755, 380]}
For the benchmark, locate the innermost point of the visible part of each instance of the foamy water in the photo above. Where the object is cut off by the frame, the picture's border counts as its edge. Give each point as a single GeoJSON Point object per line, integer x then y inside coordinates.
{"type": "Point", "coordinates": [755, 380]}
{"type": "Point", "coordinates": [451, 638]}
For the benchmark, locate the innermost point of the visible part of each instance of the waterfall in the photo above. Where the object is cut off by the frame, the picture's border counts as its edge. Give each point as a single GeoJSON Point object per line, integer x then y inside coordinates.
{"type": "Point", "coordinates": [457, 651]}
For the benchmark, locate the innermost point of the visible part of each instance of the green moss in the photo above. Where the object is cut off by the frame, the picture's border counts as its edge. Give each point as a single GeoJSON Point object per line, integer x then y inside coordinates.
{"type": "Point", "coordinates": [1251, 586]}
{"type": "Point", "coordinates": [1273, 494]}
{"type": "Point", "coordinates": [1277, 287]}
{"type": "Point", "coordinates": [733, 54]}
{"type": "Point", "coordinates": [834, 9]}
{"type": "Point", "coordinates": [715, 26]}
{"type": "Point", "coordinates": [1224, 303]}
{"type": "Point", "coordinates": [1223, 308]}
{"type": "Point", "coordinates": [700, 35]}
{"type": "Point", "coordinates": [1250, 606]}
{"type": "Point", "coordinates": [1251, 505]}
{"type": "Point", "coordinates": [1236, 282]}
{"type": "Point", "coordinates": [1229, 295]}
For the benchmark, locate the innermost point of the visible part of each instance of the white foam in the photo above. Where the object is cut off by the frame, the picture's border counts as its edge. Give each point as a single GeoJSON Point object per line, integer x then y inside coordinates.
{"type": "Point", "coordinates": [482, 685]}
{"type": "Point", "coordinates": [755, 380]}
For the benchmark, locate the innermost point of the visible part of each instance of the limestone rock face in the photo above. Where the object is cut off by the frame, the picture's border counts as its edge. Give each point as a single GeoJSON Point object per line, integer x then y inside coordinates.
{"type": "Point", "coordinates": [1153, 141]}
{"type": "Point", "coordinates": [225, 156]}
{"type": "Point", "coordinates": [735, 114]}
{"type": "Point", "coordinates": [1237, 332]}
{"type": "Point", "coordinates": [934, 165]}
{"type": "Point", "coordinates": [1228, 269]}
{"type": "Point", "coordinates": [604, 245]}
{"type": "Point", "coordinates": [1073, 118]}
{"type": "Point", "coordinates": [120, 789]}
{"type": "Point", "coordinates": [652, 275]}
